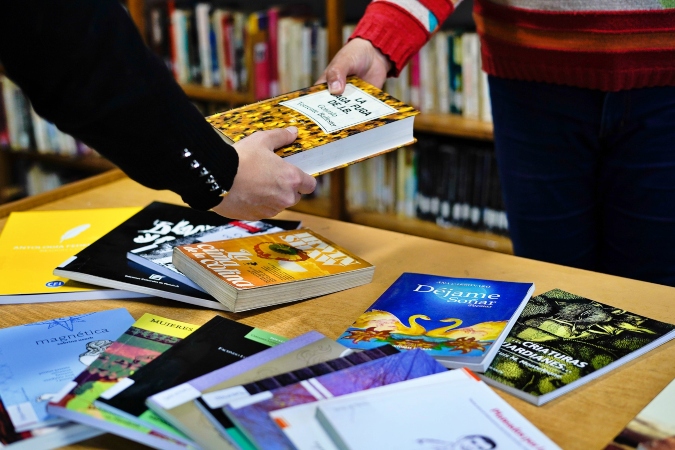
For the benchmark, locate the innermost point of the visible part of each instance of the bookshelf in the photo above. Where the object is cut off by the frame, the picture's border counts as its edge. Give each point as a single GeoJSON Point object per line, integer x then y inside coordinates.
{"type": "Point", "coordinates": [334, 206]}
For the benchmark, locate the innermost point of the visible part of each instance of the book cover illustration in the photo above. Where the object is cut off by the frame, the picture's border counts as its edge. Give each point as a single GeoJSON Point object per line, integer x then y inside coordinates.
{"type": "Point", "coordinates": [562, 340]}
{"type": "Point", "coordinates": [160, 253]}
{"type": "Point", "coordinates": [145, 340]}
{"type": "Point", "coordinates": [252, 417]}
{"type": "Point", "coordinates": [217, 343]}
{"type": "Point", "coordinates": [272, 259]}
{"type": "Point", "coordinates": [32, 243]}
{"type": "Point", "coordinates": [321, 118]}
{"type": "Point", "coordinates": [446, 415]}
{"type": "Point", "coordinates": [179, 405]}
{"type": "Point", "coordinates": [105, 261]}
{"type": "Point", "coordinates": [38, 359]}
{"type": "Point", "coordinates": [460, 321]}
{"type": "Point", "coordinates": [653, 428]}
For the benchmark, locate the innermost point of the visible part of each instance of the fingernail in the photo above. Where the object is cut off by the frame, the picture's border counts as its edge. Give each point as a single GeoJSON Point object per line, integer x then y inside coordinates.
{"type": "Point", "coordinates": [292, 130]}
{"type": "Point", "coordinates": [334, 86]}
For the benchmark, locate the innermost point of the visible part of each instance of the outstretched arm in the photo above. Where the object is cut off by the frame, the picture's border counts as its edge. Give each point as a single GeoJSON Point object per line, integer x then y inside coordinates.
{"type": "Point", "coordinates": [84, 67]}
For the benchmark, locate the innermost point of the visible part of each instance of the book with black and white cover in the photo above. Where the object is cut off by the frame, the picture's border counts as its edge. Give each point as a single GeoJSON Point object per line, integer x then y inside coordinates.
{"type": "Point", "coordinates": [105, 263]}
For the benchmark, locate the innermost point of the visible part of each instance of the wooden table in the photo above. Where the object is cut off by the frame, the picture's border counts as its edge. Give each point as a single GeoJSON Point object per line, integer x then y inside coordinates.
{"type": "Point", "coordinates": [586, 418]}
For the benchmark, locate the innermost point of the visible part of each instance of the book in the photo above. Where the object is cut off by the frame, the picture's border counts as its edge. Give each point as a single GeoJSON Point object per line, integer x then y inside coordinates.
{"type": "Point", "coordinates": [562, 341]}
{"type": "Point", "coordinates": [39, 358]}
{"type": "Point", "coordinates": [445, 414]}
{"type": "Point", "coordinates": [158, 257]}
{"type": "Point", "coordinates": [459, 321]}
{"type": "Point", "coordinates": [215, 344]}
{"type": "Point", "coordinates": [195, 406]}
{"type": "Point", "coordinates": [251, 414]}
{"type": "Point", "coordinates": [145, 340]}
{"type": "Point", "coordinates": [274, 268]}
{"type": "Point", "coordinates": [333, 130]}
{"type": "Point", "coordinates": [653, 428]}
{"type": "Point", "coordinates": [32, 243]}
{"type": "Point", "coordinates": [104, 262]}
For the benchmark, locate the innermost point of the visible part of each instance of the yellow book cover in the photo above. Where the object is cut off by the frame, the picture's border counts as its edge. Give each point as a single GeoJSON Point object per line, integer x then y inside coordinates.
{"type": "Point", "coordinates": [288, 265]}
{"type": "Point", "coordinates": [333, 130]}
{"type": "Point", "coordinates": [33, 243]}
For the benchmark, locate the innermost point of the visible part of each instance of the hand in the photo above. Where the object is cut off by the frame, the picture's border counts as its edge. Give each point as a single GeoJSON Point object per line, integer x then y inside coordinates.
{"type": "Point", "coordinates": [358, 57]}
{"type": "Point", "coordinates": [265, 184]}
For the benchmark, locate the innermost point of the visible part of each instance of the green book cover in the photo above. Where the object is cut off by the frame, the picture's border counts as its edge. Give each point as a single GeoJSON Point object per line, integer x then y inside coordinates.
{"type": "Point", "coordinates": [146, 339]}
{"type": "Point", "coordinates": [562, 340]}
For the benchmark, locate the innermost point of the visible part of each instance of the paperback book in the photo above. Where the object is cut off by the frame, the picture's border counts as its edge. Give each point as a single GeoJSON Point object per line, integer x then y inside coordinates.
{"type": "Point", "coordinates": [145, 340]}
{"type": "Point", "coordinates": [195, 407]}
{"type": "Point", "coordinates": [157, 256]}
{"type": "Point", "coordinates": [32, 243]}
{"type": "Point", "coordinates": [653, 428]}
{"type": "Point", "coordinates": [39, 359]}
{"type": "Point", "coordinates": [419, 417]}
{"type": "Point", "coordinates": [459, 321]}
{"type": "Point", "coordinates": [333, 130]}
{"type": "Point", "coordinates": [562, 341]}
{"type": "Point", "coordinates": [275, 268]}
{"type": "Point", "coordinates": [104, 262]}
{"type": "Point", "coordinates": [251, 414]}
{"type": "Point", "coordinates": [217, 343]}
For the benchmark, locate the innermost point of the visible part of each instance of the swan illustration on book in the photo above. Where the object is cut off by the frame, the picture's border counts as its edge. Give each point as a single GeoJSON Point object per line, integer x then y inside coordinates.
{"type": "Point", "coordinates": [484, 331]}
{"type": "Point", "coordinates": [385, 321]}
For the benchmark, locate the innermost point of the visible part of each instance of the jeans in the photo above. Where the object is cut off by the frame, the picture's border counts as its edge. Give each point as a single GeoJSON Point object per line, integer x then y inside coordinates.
{"type": "Point", "coordinates": [589, 176]}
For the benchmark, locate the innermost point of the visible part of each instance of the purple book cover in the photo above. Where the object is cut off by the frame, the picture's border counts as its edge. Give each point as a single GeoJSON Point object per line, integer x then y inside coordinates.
{"type": "Point", "coordinates": [253, 420]}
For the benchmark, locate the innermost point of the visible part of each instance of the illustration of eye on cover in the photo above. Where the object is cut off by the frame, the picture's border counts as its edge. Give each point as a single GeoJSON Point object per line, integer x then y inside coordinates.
{"type": "Point", "coordinates": [562, 341]}
{"type": "Point", "coordinates": [38, 359]}
{"type": "Point", "coordinates": [653, 428]}
{"type": "Point", "coordinates": [459, 321]}
{"type": "Point", "coordinates": [105, 263]}
{"type": "Point", "coordinates": [141, 343]}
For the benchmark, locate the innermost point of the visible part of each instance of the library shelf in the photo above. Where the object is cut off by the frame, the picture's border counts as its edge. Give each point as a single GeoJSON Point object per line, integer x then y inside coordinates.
{"type": "Point", "coordinates": [87, 164]}
{"type": "Point", "coordinates": [454, 125]}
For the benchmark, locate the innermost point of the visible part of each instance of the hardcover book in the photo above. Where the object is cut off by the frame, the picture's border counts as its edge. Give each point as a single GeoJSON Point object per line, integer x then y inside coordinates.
{"type": "Point", "coordinates": [39, 359]}
{"type": "Point", "coordinates": [215, 344]}
{"type": "Point", "coordinates": [459, 321]}
{"type": "Point", "coordinates": [333, 130]}
{"type": "Point", "coordinates": [145, 340]}
{"type": "Point", "coordinates": [251, 414]}
{"type": "Point", "coordinates": [32, 243]}
{"type": "Point", "coordinates": [562, 341]}
{"type": "Point", "coordinates": [186, 407]}
{"type": "Point", "coordinates": [157, 256]}
{"type": "Point", "coordinates": [653, 428]}
{"type": "Point", "coordinates": [270, 269]}
{"type": "Point", "coordinates": [105, 263]}
{"type": "Point", "coordinates": [419, 417]}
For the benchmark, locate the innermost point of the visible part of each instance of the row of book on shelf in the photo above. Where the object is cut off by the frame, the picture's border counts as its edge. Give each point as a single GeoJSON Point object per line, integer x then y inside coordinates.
{"type": "Point", "coordinates": [224, 384]}
{"type": "Point", "coordinates": [285, 48]}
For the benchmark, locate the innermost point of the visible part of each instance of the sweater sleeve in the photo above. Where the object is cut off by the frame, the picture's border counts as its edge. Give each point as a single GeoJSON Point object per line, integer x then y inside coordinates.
{"type": "Point", "coordinates": [84, 67]}
{"type": "Point", "coordinates": [399, 28]}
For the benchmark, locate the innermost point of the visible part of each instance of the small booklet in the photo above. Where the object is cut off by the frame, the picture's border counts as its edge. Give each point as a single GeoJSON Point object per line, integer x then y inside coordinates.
{"type": "Point", "coordinates": [270, 269]}
{"type": "Point", "coordinates": [333, 130]}
{"type": "Point", "coordinates": [562, 341]}
{"type": "Point", "coordinates": [459, 321]}
{"type": "Point", "coordinates": [653, 428]}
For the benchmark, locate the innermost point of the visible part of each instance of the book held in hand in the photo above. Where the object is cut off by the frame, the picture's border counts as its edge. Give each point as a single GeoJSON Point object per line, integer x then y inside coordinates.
{"type": "Point", "coordinates": [105, 263]}
{"type": "Point", "coordinates": [333, 130]}
{"type": "Point", "coordinates": [275, 268]}
{"type": "Point", "coordinates": [562, 341]}
{"type": "Point", "coordinates": [32, 243]}
{"type": "Point", "coordinates": [459, 321]}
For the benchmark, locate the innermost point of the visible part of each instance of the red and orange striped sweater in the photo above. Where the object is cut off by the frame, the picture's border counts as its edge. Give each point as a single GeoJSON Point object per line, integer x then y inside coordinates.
{"type": "Point", "coordinates": [609, 45]}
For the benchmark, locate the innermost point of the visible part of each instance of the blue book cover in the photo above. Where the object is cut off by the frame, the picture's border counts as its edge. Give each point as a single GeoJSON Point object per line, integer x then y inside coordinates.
{"type": "Point", "coordinates": [39, 359]}
{"type": "Point", "coordinates": [459, 321]}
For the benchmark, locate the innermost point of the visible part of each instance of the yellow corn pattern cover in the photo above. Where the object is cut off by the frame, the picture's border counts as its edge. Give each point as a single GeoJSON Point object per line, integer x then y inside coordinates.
{"type": "Point", "coordinates": [34, 243]}
{"type": "Point", "coordinates": [273, 258]}
{"type": "Point", "coordinates": [239, 123]}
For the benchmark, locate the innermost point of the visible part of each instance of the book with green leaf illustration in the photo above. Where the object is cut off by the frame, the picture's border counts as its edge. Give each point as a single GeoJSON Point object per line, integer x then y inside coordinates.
{"type": "Point", "coordinates": [562, 341]}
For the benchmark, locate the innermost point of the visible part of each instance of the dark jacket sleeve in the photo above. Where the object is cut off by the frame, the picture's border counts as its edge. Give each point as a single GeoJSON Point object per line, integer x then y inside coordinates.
{"type": "Point", "coordinates": [84, 67]}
